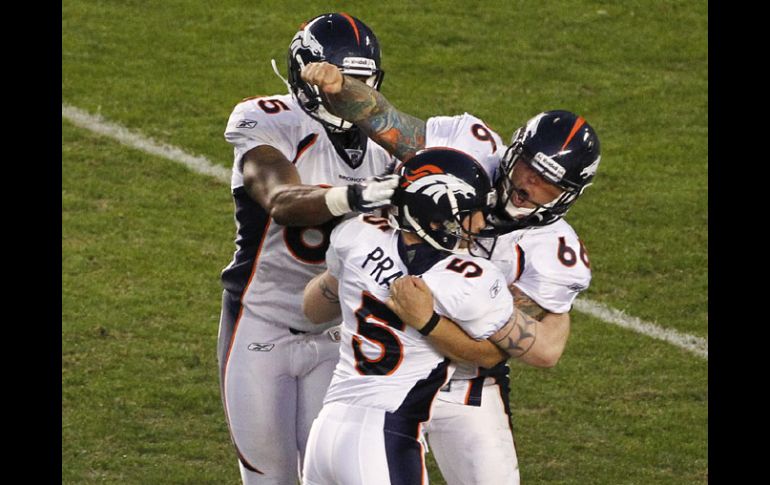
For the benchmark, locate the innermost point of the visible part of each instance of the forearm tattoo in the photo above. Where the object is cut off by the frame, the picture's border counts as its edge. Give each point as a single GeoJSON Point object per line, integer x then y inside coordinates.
{"type": "Point", "coordinates": [327, 292]}
{"type": "Point", "coordinates": [526, 304]}
{"type": "Point", "coordinates": [518, 343]}
{"type": "Point", "coordinates": [400, 134]}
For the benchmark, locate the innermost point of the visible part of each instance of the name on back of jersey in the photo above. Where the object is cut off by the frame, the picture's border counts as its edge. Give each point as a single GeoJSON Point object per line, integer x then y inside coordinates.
{"type": "Point", "coordinates": [381, 267]}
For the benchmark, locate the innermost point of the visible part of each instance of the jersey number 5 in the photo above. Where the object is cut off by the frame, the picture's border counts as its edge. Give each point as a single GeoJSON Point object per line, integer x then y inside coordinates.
{"type": "Point", "coordinates": [375, 323]}
{"type": "Point", "coordinates": [469, 269]}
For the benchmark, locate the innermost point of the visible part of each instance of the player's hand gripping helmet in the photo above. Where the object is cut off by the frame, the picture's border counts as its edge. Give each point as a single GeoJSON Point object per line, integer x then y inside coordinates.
{"type": "Point", "coordinates": [438, 188]}
{"type": "Point", "coordinates": [338, 39]}
{"type": "Point", "coordinates": [563, 148]}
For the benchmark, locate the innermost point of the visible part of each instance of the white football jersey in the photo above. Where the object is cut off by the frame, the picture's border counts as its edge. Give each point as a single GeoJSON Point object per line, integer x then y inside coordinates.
{"type": "Point", "coordinates": [383, 362]}
{"type": "Point", "coordinates": [548, 263]}
{"type": "Point", "coordinates": [467, 134]}
{"type": "Point", "coordinates": [273, 263]}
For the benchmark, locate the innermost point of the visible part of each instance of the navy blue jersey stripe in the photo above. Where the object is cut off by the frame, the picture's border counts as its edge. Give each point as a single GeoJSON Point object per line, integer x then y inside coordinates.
{"type": "Point", "coordinates": [303, 145]}
{"type": "Point", "coordinates": [252, 221]}
{"type": "Point", "coordinates": [416, 404]}
{"type": "Point", "coordinates": [402, 450]}
{"type": "Point", "coordinates": [501, 369]}
{"type": "Point", "coordinates": [475, 386]}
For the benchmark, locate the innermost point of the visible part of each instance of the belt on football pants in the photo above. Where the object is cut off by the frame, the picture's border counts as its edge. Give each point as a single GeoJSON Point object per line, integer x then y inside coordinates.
{"type": "Point", "coordinates": [296, 332]}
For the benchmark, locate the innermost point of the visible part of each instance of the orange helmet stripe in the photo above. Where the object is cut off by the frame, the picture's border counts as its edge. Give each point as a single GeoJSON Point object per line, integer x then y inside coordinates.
{"type": "Point", "coordinates": [578, 123]}
{"type": "Point", "coordinates": [353, 23]}
{"type": "Point", "coordinates": [422, 172]}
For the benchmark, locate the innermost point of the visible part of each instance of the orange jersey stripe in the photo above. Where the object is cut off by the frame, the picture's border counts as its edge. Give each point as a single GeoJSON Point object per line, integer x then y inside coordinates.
{"type": "Point", "coordinates": [304, 148]}
{"type": "Point", "coordinates": [519, 262]}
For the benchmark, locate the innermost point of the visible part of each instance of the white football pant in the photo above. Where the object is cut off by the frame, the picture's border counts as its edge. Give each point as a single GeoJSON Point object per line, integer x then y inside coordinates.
{"type": "Point", "coordinates": [274, 382]}
{"type": "Point", "coordinates": [352, 445]}
{"type": "Point", "coordinates": [473, 445]}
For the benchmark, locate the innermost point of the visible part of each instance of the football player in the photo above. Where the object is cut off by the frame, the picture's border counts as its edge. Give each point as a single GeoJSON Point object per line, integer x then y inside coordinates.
{"type": "Point", "coordinates": [296, 169]}
{"type": "Point", "coordinates": [549, 163]}
{"type": "Point", "coordinates": [388, 374]}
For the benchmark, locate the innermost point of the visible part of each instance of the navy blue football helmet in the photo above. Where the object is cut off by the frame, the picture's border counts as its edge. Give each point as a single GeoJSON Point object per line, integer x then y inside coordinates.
{"type": "Point", "coordinates": [339, 39]}
{"type": "Point", "coordinates": [438, 188]}
{"type": "Point", "coordinates": [564, 149]}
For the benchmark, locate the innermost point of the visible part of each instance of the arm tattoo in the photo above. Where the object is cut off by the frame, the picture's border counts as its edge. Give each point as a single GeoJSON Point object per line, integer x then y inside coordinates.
{"type": "Point", "coordinates": [327, 292]}
{"type": "Point", "coordinates": [526, 304]}
{"type": "Point", "coordinates": [400, 134]}
{"type": "Point", "coordinates": [518, 345]}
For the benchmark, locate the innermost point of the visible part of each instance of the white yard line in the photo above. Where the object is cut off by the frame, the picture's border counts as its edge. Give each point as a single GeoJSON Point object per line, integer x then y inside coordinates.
{"type": "Point", "coordinates": [697, 345]}
{"type": "Point", "coordinates": [97, 124]}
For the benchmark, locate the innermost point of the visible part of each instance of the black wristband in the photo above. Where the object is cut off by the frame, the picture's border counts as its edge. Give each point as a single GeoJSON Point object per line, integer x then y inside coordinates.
{"type": "Point", "coordinates": [428, 327]}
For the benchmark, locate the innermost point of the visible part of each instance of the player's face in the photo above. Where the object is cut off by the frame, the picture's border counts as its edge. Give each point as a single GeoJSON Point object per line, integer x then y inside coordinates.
{"type": "Point", "coordinates": [473, 224]}
{"type": "Point", "coordinates": [530, 189]}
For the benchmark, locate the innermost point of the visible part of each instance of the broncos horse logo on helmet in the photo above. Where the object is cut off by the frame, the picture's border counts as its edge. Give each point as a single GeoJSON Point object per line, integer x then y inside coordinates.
{"type": "Point", "coordinates": [436, 185]}
{"type": "Point", "coordinates": [560, 146]}
{"type": "Point", "coordinates": [339, 39]}
{"type": "Point", "coordinates": [439, 188]}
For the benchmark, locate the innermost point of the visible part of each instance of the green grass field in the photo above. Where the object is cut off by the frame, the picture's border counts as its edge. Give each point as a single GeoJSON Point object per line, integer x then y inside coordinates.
{"type": "Point", "coordinates": [144, 239]}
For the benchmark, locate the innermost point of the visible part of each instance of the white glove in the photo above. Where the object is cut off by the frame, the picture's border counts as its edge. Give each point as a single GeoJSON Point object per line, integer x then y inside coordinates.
{"type": "Point", "coordinates": [373, 193]}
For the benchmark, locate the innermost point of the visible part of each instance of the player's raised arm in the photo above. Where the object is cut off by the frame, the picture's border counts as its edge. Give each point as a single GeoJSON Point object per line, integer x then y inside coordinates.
{"type": "Point", "coordinates": [443, 333]}
{"type": "Point", "coordinates": [400, 134]}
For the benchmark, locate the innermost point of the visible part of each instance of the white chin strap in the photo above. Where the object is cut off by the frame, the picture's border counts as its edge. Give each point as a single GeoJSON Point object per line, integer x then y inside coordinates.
{"type": "Point", "coordinates": [275, 70]}
{"type": "Point", "coordinates": [421, 232]}
{"type": "Point", "coordinates": [336, 121]}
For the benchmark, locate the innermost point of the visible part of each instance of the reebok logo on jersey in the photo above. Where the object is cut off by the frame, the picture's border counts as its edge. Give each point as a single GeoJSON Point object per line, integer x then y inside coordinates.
{"type": "Point", "coordinates": [577, 287]}
{"type": "Point", "coordinates": [247, 124]}
{"type": "Point", "coordinates": [495, 289]}
{"type": "Point", "coordinates": [261, 347]}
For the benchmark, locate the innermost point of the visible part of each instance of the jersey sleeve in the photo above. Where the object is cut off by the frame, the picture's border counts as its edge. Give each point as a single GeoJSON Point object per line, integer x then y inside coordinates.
{"type": "Point", "coordinates": [342, 239]}
{"type": "Point", "coordinates": [250, 126]}
{"type": "Point", "coordinates": [339, 245]}
{"type": "Point", "coordinates": [467, 134]}
{"type": "Point", "coordinates": [554, 272]}
{"type": "Point", "coordinates": [479, 302]}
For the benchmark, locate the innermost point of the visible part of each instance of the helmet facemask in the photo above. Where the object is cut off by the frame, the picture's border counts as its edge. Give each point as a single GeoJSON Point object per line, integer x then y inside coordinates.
{"type": "Point", "coordinates": [541, 214]}
{"type": "Point", "coordinates": [563, 149]}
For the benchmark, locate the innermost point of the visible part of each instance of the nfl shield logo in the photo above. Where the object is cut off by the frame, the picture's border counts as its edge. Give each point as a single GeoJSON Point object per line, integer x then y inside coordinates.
{"type": "Point", "coordinates": [355, 157]}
